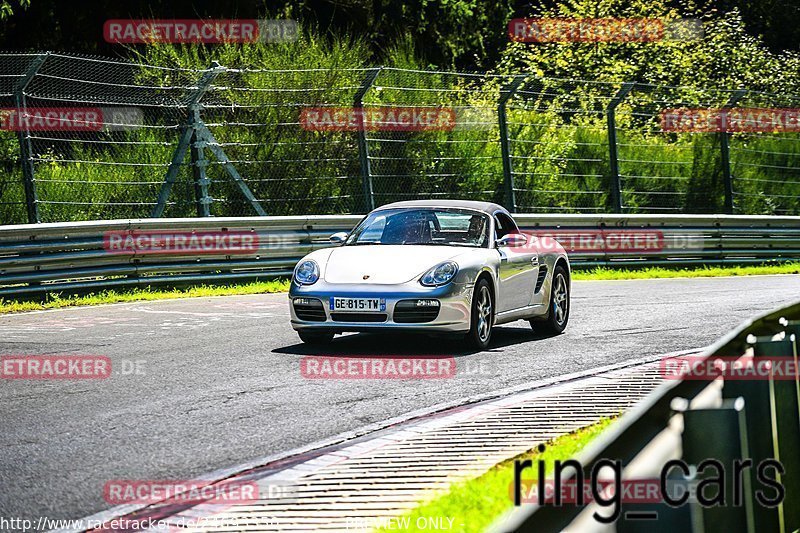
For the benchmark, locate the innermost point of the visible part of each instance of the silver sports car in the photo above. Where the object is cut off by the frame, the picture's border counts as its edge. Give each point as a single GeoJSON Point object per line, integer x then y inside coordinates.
{"type": "Point", "coordinates": [436, 266]}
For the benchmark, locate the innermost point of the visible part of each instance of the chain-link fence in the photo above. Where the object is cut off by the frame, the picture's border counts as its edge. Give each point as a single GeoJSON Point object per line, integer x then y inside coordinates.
{"type": "Point", "coordinates": [88, 138]}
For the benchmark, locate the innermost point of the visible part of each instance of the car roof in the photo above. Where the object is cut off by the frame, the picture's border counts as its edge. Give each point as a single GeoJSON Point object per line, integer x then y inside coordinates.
{"type": "Point", "coordinates": [485, 207]}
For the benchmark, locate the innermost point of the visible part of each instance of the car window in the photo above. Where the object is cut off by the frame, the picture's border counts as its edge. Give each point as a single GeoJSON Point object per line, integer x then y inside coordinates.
{"type": "Point", "coordinates": [374, 230]}
{"type": "Point", "coordinates": [447, 227]}
{"type": "Point", "coordinates": [504, 225]}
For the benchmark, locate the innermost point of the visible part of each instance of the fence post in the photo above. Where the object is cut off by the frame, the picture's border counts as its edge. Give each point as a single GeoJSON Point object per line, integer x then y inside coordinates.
{"type": "Point", "coordinates": [189, 138]}
{"type": "Point", "coordinates": [505, 150]}
{"type": "Point", "coordinates": [725, 153]}
{"type": "Point", "coordinates": [363, 149]}
{"type": "Point", "coordinates": [199, 164]}
{"type": "Point", "coordinates": [24, 138]}
{"type": "Point", "coordinates": [613, 159]}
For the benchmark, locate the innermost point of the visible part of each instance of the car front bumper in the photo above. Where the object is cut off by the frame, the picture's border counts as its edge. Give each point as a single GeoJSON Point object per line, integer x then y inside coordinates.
{"type": "Point", "coordinates": [454, 306]}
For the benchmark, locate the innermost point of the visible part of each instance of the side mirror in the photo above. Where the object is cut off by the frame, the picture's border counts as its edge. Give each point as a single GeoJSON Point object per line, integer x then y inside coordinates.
{"type": "Point", "coordinates": [512, 240]}
{"type": "Point", "coordinates": [338, 237]}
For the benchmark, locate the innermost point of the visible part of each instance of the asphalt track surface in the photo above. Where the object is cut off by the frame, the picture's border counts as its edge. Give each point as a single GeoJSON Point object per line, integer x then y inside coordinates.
{"type": "Point", "coordinates": [218, 380]}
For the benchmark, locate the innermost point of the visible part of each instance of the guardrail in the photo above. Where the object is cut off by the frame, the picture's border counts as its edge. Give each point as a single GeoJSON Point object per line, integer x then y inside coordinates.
{"type": "Point", "coordinates": [727, 420]}
{"type": "Point", "coordinates": [71, 257]}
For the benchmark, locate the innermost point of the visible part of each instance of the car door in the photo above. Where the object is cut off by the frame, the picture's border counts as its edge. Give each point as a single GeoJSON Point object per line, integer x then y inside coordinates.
{"type": "Point", "coordinates": [519, 267]}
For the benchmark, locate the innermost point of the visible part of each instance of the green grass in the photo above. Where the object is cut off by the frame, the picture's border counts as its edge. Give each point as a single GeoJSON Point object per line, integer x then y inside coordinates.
{"type": "Point", "coordinates": [55, 301]}
{"type": "Point", "coordinates": [604, 273]}
{"type": "Point", "coordinates": [475, 504]}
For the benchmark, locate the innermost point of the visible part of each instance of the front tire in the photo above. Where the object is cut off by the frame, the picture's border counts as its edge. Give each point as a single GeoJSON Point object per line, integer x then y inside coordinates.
{"type": "Point", "coordinates": [558, 312]}
{"type": "Point", "coordinates": [482, 316]}
{"type": "Point", "coordinates": [315, 338]}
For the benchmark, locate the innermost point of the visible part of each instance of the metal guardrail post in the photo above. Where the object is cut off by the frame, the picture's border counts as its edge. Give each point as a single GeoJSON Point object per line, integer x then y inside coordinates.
{"type": "Point", "coordinates": [786, 429]}
{"type": "Point", "coordinates": [760, 429]}
{"type": "Point", "coordinates": [613, 158]}
{"type": "Point", "coordinates": [728, 426]}
{"type": "Point", "coordinates": [189, 138]}
{"type": "Point", "coordinates": [363, 148]}
{"type": "Point", "coordinates": [725, 153]}
{"type": "Point", "coordinates": [792, 328]}
{"type": "Point", "coordinates": [24, 138]}
{"type": "Point", "coordinates": [505, 149]}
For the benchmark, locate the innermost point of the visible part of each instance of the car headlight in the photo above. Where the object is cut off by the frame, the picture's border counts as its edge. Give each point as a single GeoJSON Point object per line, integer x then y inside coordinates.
{"type": "Point", "coordinates": [440, 274]}
{"type": "Point", "coordinates": [306, 273]}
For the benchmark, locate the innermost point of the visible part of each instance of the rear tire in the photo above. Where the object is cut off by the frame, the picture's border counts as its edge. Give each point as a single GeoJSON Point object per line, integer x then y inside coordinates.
{"type": "Point", "coordinates": [315, 338]}
{"type": "Point", "coordinates": [482, 316]}
{"type": "Point", "coordinates": [558, 309]}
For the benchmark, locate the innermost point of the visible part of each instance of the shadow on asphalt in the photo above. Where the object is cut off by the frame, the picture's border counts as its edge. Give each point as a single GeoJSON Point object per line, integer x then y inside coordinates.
{"type": "Point", "coordinates": [393, 344]}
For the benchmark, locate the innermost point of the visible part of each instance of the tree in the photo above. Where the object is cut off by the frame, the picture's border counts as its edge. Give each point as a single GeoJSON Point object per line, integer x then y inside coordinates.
{"type": "Point", "coordinates": [726, 57]}
{"type": "Point", "coordinates": [7, 8]}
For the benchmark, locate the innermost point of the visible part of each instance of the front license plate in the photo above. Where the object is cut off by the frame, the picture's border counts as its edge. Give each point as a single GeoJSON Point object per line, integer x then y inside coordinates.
{"type": "Point", "coordinates": [360, 305]}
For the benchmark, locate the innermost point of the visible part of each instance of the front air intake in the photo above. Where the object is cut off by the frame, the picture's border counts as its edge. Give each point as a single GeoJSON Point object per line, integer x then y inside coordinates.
{"type": "Point", "coordinates": [309, 309]}
{"type": "Point", "coordinates": [416, 311]}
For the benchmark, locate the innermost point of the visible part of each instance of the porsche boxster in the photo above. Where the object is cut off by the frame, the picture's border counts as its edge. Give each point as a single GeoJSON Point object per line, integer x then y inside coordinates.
{"type": "Point", "coordinates": [452, 267]}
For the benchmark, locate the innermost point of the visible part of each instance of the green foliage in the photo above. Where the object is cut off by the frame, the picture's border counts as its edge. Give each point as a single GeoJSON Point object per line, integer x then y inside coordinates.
{"type": "Point", "coordinates": [726, 57]}
{"type": "Point", "coordinates": [12, 193]}
{"type": "Point", "coordinates": [557, 127]}
{"type": "Point", "coordinates": [7, 8]}
{"type": "Point", "coordinates": [666, 171]}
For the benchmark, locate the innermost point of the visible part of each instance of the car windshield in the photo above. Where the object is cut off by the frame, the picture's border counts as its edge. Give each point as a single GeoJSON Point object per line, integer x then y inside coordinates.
{"type": "Point", "coordinates": [447, 227]}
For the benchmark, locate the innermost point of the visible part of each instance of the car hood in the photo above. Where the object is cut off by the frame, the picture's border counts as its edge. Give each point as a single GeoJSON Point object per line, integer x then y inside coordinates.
{"type": "Point", "coordinates": [384, 264]}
